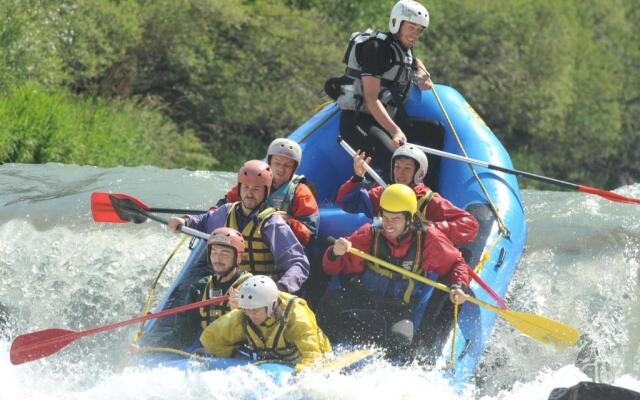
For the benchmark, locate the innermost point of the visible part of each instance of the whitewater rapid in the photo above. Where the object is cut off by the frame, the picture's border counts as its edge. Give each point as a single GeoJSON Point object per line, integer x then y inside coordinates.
{"type": "Point", "coordinates": [58, 268]}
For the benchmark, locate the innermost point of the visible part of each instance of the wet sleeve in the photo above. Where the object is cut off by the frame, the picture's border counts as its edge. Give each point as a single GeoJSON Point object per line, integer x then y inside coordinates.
{"type": "Point", "coordinates": [303, 332]}
{"type": "Point", "coordinates": [349, 263]}
{"type": "Point", "coordinates": [457, 224]}
{"type": "Point", "coordinates": [223, 334]}
{"type": "Point", "coordinates": [288, 254]}
{"type": "Point", "coordinates": [211, 220]}
{"type": "Point", "coordinates": [353, 198]}
{"type": "Point", "coordinates": [441, 256]}
{"type": "Point", "coordinates": [199, 222]}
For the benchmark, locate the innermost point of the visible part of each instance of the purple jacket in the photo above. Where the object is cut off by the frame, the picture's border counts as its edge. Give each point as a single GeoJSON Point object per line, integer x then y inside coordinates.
{"type": "Point", "coordinates": [287, 251]}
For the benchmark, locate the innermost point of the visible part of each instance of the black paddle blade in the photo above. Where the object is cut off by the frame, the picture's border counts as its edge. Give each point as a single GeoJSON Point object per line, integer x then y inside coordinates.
{"type": "Point", "coordinates": [128, 210]}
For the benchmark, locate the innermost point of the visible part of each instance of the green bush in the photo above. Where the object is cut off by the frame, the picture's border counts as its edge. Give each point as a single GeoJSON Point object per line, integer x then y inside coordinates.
{"type": "Point", "coordinates": [39, 125]}
{"type": "Point", "coordinates": [558, 82]}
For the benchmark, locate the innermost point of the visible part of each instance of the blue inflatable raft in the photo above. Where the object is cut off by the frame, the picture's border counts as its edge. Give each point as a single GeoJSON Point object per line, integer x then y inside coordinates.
{"type": "Point", "coordinates": [499, 244]}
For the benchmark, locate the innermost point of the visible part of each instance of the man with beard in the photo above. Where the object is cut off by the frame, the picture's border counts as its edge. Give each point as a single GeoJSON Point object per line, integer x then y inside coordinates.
{"type": "Point", "coordinates": [375, 304]}
{"type": "Point", "coordinates": [271, 248]}
{"type": "Point", "coordinates": [224, 253]}
{"type": "Point", "coordinates": [289, 192]}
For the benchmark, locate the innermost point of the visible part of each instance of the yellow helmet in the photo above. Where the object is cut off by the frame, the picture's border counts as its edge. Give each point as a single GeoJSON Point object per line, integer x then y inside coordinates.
{"type": "Point", "coordinates": [399, 198]}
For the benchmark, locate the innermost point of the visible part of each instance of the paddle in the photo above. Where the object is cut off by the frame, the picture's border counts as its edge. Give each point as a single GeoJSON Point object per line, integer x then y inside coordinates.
{"type": "Point", "coordinates": [367, 167]}
{"type": "Point", "coordinates": [101, 203]}
{"type": "Point", "coordinates": [121, 208]}
{"type": "Point", "coordinates": [36, 345]}
{"type": "Point", "coordinates": [540, 328]}
{"type": "Point", "coordinates": [582, 188]}
{"type": "Point", "coordinates": [382, 183]}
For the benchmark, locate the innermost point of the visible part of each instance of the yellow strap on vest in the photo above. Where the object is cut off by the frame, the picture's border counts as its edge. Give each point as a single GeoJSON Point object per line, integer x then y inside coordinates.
{"type": "Point", "coordinates": [423, 203]}
{"type": "Point", "coordinates": [209, 314]}
{"type": "Point", "coordinates": [257, 255]}
{"type": "Point", "coordinates": [374, 266]}
{"type": "Point", "coordinates": [417, 262]}
{"type": "Point", "coordinates": [270, 344]}
{"type": "Point", "coordinates": [416, 269]}
{"type": "Point", "coordinates": [289, 193]}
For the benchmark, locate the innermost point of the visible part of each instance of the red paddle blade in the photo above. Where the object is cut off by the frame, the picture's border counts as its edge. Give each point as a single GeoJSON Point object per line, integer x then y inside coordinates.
{"type": "Point", "coordinates": [36, 345]}
{"type": "Point", "coordinates": [609, 195]}
{"type": "Point", "coordinates": [103, 208]}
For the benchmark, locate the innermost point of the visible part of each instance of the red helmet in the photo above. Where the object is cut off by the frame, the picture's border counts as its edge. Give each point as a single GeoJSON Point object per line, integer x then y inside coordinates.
{"type": "Point", "coordinates": [227, 237]}
{"type": "Point", "coordinates": [256, 173]}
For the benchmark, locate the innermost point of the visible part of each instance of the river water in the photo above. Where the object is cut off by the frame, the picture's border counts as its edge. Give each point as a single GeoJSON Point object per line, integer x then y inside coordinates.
{"type": "Point", "coordinates": [58, 268]}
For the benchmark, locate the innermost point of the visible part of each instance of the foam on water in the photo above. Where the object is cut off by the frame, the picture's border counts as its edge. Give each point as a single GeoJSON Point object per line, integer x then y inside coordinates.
{"type": "Point", "coordinates": [60, 269]}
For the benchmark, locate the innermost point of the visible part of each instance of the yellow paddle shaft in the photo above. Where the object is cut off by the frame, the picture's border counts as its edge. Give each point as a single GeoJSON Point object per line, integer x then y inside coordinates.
{"type": "Point", "coordinates": [537, 327]}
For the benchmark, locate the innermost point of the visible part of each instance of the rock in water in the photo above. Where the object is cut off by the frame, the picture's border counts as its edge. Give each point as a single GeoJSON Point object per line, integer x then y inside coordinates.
{"type": "Point", "coordinates": [593, 391]}
{"type": "Point", "coordinates": [591, 362]}
{"type": "Point", "coordinates": [4, 319]}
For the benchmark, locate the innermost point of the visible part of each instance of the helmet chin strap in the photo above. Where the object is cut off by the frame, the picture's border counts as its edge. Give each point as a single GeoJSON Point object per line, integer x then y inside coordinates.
{"type": "Point", "coordinates": [274, 306]}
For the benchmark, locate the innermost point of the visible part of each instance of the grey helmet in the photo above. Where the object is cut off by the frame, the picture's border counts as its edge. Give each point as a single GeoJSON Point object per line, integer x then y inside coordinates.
{"type": "Point", "coordinates": [408, 10]}
{"type": "Point", "coordinates": [257, 292]}
{"type": "Point", "coordinates": [410, 151]}
{"type": "Point", "coordinates": [285, 148]}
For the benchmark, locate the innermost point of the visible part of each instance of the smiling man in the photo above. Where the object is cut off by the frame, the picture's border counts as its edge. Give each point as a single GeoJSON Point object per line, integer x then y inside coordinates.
{"type": "Point", "coordinates": [409, 167]}
{"type": "Point", "coordinates": [380, 69]}
{"type": "Point", "coordinates": [289, 193]}
{"type": "Point", "coordinates": [377, 297]}
{"type": "Point", "coordinates": [271, 248]}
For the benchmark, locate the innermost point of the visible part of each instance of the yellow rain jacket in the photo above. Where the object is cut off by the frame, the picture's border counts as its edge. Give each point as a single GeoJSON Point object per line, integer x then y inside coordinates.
{"type": "Point", "coordinates": [291, 334]}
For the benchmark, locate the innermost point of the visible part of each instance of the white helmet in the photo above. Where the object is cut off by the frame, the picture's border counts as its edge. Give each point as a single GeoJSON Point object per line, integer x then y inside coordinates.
{"type": "Point", "coordinates": [257, 292]}
{"type": "Point", "coordinates": [408, 10]}
{"type": "Point", "coordinates": [410, 151]}
{"type": "Point", "coordinates": [285, 148]}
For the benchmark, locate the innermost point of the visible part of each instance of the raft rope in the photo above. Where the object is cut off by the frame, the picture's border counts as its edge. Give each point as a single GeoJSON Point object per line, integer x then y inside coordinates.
{"type": "Point", "coordinates": [147, 307]}
{"type": "Point", "coordinates": [192, 356]}
{"type": "Point", "coordinates": [321, 123]}
{"type": "Point", "coordinates": [485, 254]}
{"type": "Point", "coordinates": [501, 224]}
{"type": "Point", "coordinates": [322, 105]}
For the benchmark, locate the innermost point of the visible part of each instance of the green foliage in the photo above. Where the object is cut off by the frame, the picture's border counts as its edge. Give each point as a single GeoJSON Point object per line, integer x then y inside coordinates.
{"type": "Point", "coordinates": [38, 125]}
{"type": "Point", "coordinates": [236, 73]}
{"type": "Point", "coordinates": [28, 42]}
{"type": "Point", "coordinates": [349, 16]}
{"type": "Point", "coordinates": [558, 82]}
{"type": "Point", "coordinates": [94, 37]}
{"type": "Point", "coordinates": [545, 76]}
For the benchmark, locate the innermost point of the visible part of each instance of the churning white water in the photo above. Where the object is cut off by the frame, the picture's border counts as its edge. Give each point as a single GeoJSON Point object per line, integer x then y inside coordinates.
{"type": "Point", "coordinates": [60, 269]}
